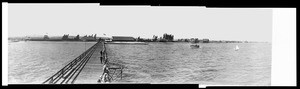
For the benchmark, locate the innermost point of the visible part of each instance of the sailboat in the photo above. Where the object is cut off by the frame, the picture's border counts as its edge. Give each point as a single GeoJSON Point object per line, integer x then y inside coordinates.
{"type": "Point", "coordinates": [236, 48]}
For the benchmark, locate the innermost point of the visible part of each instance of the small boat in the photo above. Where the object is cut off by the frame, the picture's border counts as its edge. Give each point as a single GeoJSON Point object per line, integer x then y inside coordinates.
{"type": "Point", "coordinates": [236, 48]}
{"type": "Point", "coordinates": [194, 43]}
{"type": "Point", "coordinates": [194, 46]}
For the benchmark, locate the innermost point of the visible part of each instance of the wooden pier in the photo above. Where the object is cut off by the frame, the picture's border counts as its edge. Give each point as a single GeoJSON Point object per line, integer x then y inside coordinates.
{"type": "Point", "coordinates": [87, 68]}
{"type": "Point", "coordinates": [93, 69]}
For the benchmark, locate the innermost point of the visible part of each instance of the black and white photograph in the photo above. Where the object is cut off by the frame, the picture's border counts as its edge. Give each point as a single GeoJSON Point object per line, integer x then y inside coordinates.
{"type": "Point", "coordinates": [94, 44]}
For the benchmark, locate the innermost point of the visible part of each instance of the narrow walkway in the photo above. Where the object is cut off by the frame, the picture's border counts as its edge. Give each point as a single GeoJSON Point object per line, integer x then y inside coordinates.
{"type": "Point", "coordinates": [92, 70]}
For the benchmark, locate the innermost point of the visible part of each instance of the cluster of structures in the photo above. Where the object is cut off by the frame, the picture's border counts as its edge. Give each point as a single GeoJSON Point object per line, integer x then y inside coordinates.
{"type": "Point", "coordinates": [169, 38]}
{"type": "Point", "coordinates": [78, 38]}
{"type": "Point", "coordinates": [195, 40]}
{"type": "Point", "coordinates": [164, 38]}
{"type": "Point", "coordinates": [65, 37]}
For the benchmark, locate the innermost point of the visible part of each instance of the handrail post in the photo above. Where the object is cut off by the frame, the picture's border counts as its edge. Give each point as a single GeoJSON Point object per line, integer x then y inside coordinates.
{"type": "Point", "coordinates": [72, 64]}
{"type": "Point", "coordinates": [121, 72]}
{"type": "Point", "coordinates": [51, 80]}
{"type": "Point", "coordinates": [62, 73]}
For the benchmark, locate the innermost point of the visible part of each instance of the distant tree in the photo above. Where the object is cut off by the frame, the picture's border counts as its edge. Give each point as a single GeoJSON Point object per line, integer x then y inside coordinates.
{"type": "Point", "coordinates": [138, 39]}
{"type": "Point", "coordinates": [46, 37]}
{"type": "Point", "coordinates": [168, 37]}
{"type": "Point", "coordinates": [155, 38]}
{"type": "Point", "coordinates": [95, 36]}
{"type": "Point", "coordinates": [64, 37]}
{"type": "Point", "coordinates": [76, 38]}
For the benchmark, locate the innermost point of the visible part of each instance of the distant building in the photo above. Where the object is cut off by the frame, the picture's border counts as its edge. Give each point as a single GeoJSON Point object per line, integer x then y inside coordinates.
{"type": "Point", "coordinates": [55, 39]}
{"type": "Point", "coordinates": [36, 38]}
{"type": "Point", "coordinates": [70, 38]}
{"type": "Point", "coordinates": [88, 38]}
{"type": "Point", "coordinates": [122, 38]}
{"type": "Point", "coordinates": [205, 40]}
{"type": "Point", "coordinates": [104, 38]}
{"type": "Point", "coordinates": [194, 40]}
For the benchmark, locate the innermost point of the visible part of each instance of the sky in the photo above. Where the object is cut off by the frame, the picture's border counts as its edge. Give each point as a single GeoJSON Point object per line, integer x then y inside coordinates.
{"type": "Point", "coordinates": [182, 22]}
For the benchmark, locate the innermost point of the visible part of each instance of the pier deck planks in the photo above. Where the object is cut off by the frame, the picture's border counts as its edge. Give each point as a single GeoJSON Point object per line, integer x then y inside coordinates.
{"type": "Point", "coordinates": [92, 70]}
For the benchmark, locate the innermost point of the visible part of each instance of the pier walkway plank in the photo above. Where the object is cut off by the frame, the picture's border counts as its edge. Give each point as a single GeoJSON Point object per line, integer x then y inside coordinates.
{"type": "Point", "coordinates": [92, 70]}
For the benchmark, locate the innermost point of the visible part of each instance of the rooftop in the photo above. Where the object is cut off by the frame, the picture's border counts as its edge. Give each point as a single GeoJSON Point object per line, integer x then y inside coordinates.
{"type": "Point", "coordinates": [122, 38]}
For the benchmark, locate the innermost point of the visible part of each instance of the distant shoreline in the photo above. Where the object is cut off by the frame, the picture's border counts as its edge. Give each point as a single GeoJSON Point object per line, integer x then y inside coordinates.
{"type": "Point", "coordinates": [56, 41]}
{"type": "Point", "coordinates": [142, 41]}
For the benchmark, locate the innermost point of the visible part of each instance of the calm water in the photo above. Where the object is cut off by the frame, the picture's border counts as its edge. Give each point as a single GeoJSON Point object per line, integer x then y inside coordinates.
{"type": "Point", "coordinates": [213, 63]}
{"type": "Point", "coordinates": [35, 61]}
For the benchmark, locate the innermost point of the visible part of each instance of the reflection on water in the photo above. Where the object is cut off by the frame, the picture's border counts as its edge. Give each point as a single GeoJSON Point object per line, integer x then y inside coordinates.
{"type": "Point", "coordinates": [35, 61]}
{"type": "Point", "coordinates": [213, 63]}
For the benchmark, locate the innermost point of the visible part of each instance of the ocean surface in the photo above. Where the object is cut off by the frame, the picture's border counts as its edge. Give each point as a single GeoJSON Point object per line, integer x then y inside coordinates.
{"type": "Point", "coordinates": [214, 63]}
{"type": "Point", "coordinates": [32, 62]}
{"type": "Point", "coordinates": [211, 64]}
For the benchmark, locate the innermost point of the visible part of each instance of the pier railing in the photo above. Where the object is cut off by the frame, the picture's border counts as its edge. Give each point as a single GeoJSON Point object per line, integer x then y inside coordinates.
{"type": "Point", "coordinates": [70, 72]}
{"type": "Point", "coordinates": [109, 69]}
